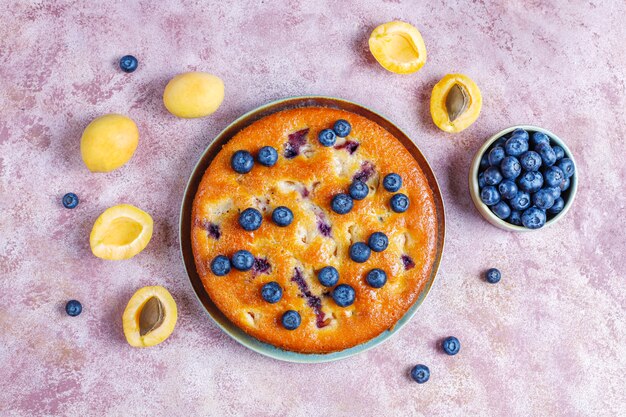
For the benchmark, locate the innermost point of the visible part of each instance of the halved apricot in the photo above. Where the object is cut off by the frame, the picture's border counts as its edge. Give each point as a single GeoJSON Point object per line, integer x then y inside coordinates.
{"type": "Point", "coordinates": [149, 317]}
{"type": "Point", "coordinates": [455, 103]}
{"type": "Point", "coordinates": [398, 47]}
{"type": "Point", "coordinates": [120, 232]}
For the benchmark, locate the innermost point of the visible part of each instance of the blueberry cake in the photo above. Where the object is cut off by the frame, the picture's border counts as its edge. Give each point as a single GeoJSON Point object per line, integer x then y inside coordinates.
{"type": "Point", "coordinates": [314, 230]}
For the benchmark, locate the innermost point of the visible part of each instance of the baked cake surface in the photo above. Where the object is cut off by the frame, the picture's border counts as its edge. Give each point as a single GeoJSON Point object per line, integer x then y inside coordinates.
{"type": "Point", "coordinates": [305, 178]}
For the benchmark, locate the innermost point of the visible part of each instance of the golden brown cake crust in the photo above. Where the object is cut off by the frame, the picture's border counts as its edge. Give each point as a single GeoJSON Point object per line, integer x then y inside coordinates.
{"type": "Point", "coordinates": [318, 236]}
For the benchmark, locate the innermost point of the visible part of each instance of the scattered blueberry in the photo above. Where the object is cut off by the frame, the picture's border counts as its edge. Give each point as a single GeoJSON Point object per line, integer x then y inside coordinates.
{"type": "Point", "coordinates": [515, 217]}
{"type": "Point", "coordinates": [242, 162]}
{"type": "Point", "coordinates": [451, 345]}
{"type": "Point", "coordinates": [70, 200]}
{"type": "Point", "coordinates": [531, 181]}
{"type": "Point", "coordinates": [291, 320]}
{"type": "Point", "coordinates": [328, 276]}
{"type": "Point", "coordinates": [272, 292]}
{"type": "Point", "coordinates": [530, 161]}
{"type": "Point", "coordinates": [420, 373]}
{"type": "Point", "coordinates": [358, 190]}
{"type": "Point", "coordinates": [520, 132]}
{"type": "Point", "coordinates": [533, 218]}
{"type": "Point", "coordinates": [378, 241]}
{"type": "Point", "coordinates": [267, 156]}
{"type": "Point", "coordinates": [515, 146]}
{"type": "Point", "coordinates": [510, 167]}
{"type": "Point", "coordinates": [558, 206]}
{"type": "Point", "coordinates": [493, 276]}
{"type": "Point", "coordinates": [242, 260]}
{"type": "Point", "coordinates": [220, 265]}
{"type": "Point", "coordinates": [521, 201]}
{"type": "Point", "coordinates": [128, 63]}
{"type": "Point", "coordinates": [553, 176]}
{"type": "Point", "coordinates": [543, 199]}
{"type": "Point", "coordinates": [548, 157]}
{"type": "Point", "coordinates": [481, 180]}
{"type": "Point", "coordinates": [327, 137]}
{"type": "Point", "coordinates": [250, 219]}
{"type": "Point", "coordinates": [565, 184]}
{"type": "Point", "coordinates": [559, 152]}
{"type": "Point", "coordinates": [282, 216]}
{"type": "Point", "coordinates": [344, 295]}
{"type": "Point", "coordinates": [501, 209]}
{"type": "Point", "coordinates": [341, 203]}
{"type": "Point", "coordinates": [539, 138]}
{"type": "Point", "coordinates": [399, 203]}
{"type": "Point", "coordinates": [493, 176]}
{"type": "Point", "coordinates": [508, 189]}
{"type": "Point", "coordinates": [376, 278]}
{"type": "Point", "coordinates": [490, 195]}
{"type": "Point", "coordinates": [496, 155]}
{"type": "Point", "coordinates": [342, 128]}
{"type": "Point", "coordinates": [73, 308]}
{"type": "Point", "coordinates": [392, 182]}
{"type": "Point", "coordinates": [359, 252]}
{"type": "Point", "coordinates": [567, 166]}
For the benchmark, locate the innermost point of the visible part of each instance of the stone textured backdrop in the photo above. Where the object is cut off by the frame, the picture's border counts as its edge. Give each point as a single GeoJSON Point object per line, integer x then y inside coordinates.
{"type": "Point", "coordinates": [548, 340]}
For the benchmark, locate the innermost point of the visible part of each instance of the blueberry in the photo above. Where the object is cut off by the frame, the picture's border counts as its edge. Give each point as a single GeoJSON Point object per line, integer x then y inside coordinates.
{"type": "Point", "coordinates": [539, 138]}
{"type": "Point", "coordinates": [501, 209]}
{"type": "Point", "coordinates": [510, 167]}
{"type": "Point", "coordinates": [554, 191]}
{"type": "Point", "coordinates": [359, 252]}
{"type": "Point", "coordinates": [553, 176]}
{"type": "Point", "coordinates": [515, 146]}
{"type": "Point", "coordinates": [250, 219]}
{"type": "Point", "coordinates": [521, 201]}
{"type": "Point", "coordinates": [343, 294]}
{"type": "Point", "coordinates": [520, 132]}
{"type": "Point", "coordinates": [272, 292]}
{"type": "Point", "coordinates": [399, 203]}
{"type": "Point", "coordinates": [493, 276]}
{"type": "Point", "coordinates": [484, 161]}
{"type": "Point", "coordinates": [451, 345]}
{"type": "Point", "coordinates": [533, 218]}
{"type": "Point", "coordinates": [392, 182]}
{"type": "Point", "coordinates": [493, 176]}
{"type": "Point", "coordinates": [543, 199]}
{"type": "Point", "coordinates": [242, 162]}
{"type": "Point", "coordinates": [481, 180]}
{"type": "Point", "coordinates": [267, 156]}
{"type": "Point", "coordinates": [327, 137]}
{"type": "Point", "coordinates": [376, 278]}
{"type": "Point", "coordinates": [342, 128]}
{"type": "Point", "coordinates": [128, 63]}
{"type": "Point", "coordinates": [420, 373]}
{"type": "Point", "coordinates": [70, 200]}
{"type": "Point", "coordinates": [328, 276]}
{"type": "Point", "coordinates": [557, 207]}
{"type": "Point", "coordinates": [548, 157]}
{"type": "Point", "coordinates": [531, 181]}
{"type": "Point", "coordinates": [282, 216]}
{"type": "Point", "coordinates": [515, 217]}
{"type": "Point", "coordinates": [291, 320]}
{"type": "Point", "coordinates": [378, 241]}
{"type": "Point", "coordinates": [220, 265]}
{"type": "Point", "coordinates": [500, 141]}
{"type": "Point", "coordinates": [565, 184]}
{"type": "Point", "coordinates": [242, 260]}
{"type": "Point", "coordinates": [496, 155]}
{"type": "Point", "coordinates": [508, 189]}
{"type": "Point", "coordinates": [559, 152]}
{"type": "Point", "coordinates": [530, 161]}
{"type": "Point", "coordinates": [490, 195]}
{"type": "Point", "coordinates": [567, 166]}
{"type": "Point", "coordinates": [341, 203]}
{"type": "Point", "coordinates": [358, 190]}
{"type": "Point", "coordinates": [73, 308]}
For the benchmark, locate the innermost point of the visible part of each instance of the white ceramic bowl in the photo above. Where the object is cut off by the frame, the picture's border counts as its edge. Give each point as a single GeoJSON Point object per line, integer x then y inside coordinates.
{"type": "Point", "coordinates": [486, 212]}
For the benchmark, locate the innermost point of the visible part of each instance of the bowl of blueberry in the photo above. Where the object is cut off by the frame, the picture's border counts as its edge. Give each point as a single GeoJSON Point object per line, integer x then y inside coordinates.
{"type": "Point", "coordinates": [523, 178]}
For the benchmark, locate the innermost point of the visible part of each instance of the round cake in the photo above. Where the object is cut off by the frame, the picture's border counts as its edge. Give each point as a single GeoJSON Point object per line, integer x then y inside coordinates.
{"type": "Point", "coordinates": [317, 160]}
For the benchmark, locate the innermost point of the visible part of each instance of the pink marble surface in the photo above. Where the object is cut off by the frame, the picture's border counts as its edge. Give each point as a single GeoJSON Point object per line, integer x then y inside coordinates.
{"type": "Point", "coordinates": [548, 340]}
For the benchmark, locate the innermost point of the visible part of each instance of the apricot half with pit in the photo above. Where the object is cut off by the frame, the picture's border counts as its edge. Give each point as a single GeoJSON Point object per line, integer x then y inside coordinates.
{"type": "Point", "coordinates": [455, 103]}
{"type": "Point", "coordinates": [398, 47]}
{"type": "Point", "coordinates": [149, 317]}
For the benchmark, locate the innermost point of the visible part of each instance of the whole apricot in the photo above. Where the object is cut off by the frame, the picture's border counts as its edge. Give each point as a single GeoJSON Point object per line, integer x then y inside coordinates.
{"type": "Point", "coordinates": [108, 142]}
{"type": "Point", "coordinates": [193, 94]}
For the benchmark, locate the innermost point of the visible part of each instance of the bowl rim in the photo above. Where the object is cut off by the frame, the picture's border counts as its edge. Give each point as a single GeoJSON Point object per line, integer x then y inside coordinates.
{"type": "Point", "coordinates": [484, 210]}
{"type": "Point", "coordinates": [184, 229]}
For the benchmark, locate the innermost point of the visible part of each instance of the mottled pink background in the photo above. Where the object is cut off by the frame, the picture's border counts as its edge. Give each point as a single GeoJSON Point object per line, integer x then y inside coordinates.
{"type": "Point", "coordinates": [548, 340]}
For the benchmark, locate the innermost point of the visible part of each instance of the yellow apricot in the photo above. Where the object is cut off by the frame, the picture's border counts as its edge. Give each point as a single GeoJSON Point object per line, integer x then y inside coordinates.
{"type": "Point", "coordinates": [120, 232]}
{"type": "Point", "coordinates": [108, 142]}
{"type": "Point", "coordinates": [398, 47]}
{"type": "Point", "coordinates": [193, 94]}
{"type": "Point", "coordinates": [455, 103]}
{"type": "Point", "coordinates": [149, 317]}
